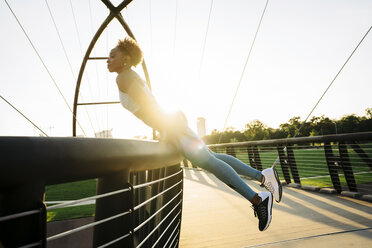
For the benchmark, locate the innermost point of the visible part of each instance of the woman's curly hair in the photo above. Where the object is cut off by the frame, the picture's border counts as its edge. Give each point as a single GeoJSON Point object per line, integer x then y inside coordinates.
{"type": "Point", "coordinates": [130, 47]}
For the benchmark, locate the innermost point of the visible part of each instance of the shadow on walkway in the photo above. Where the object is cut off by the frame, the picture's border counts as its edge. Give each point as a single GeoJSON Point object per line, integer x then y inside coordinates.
{"type": "Point", "coordinates": [302, 215]}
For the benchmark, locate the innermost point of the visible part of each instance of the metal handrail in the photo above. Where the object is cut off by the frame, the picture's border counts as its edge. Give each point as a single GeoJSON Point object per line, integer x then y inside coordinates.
{"type": "Point", "coordinates": [66, 159]}
{"type": "Point", "coordinates": [300, 140]}
{"type": "Point", "coordinates": [31, 163]}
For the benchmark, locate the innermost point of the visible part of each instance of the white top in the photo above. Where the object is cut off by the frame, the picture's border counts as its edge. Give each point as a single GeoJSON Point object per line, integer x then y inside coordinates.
{"type": "Point", "coordinates": [128, 102]}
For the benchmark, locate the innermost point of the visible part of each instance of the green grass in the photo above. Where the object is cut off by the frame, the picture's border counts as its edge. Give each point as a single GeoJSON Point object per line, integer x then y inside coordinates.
{"type": "Point", "coordinates": [71, 213]}
{"type": "Point", "coordinates": [326, 181]}
{"type": "Point", "coordinates": [70, 191]}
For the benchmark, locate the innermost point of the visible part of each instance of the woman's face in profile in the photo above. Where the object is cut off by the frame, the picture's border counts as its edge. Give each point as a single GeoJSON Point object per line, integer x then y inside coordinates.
{"type": "Point", "coordinates": [115, 61]}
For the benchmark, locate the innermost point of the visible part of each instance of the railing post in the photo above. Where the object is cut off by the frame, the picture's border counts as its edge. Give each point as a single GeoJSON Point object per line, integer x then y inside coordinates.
{"type": "Point", "coordinates": [332, 163]}
{"type": "Point", "coordinates": [26, 230]}
{"type": "Point", "coordinates": [251, 157]}
{"type": "Point", "coordinates": [284, 164]}
{"type": "Point", "coordinates": [361, 153]}
{"type": "Point", "coordinates": [185, 163]}
{"type": "Point", "coordinates": [154, 191]}
{"type": "Point", "coordinates": [254, 157]}
{"type": "Point", "coordinates": [168, 196]}
{"type": "Point", "coordinates": [292, 164]}
{"type": "Point", "coordinates": [230, 151]}
{"type": "Point", "coordinates": [257, 159]}
{"type": "Point", "coordinates": [347, 168]}
{"type": "Point", "coordinates": [113, 205]}
{"type": "Point", "coordinates": [141, 193]}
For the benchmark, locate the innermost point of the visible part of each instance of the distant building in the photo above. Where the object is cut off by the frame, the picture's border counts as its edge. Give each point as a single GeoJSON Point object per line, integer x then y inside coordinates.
{"type": "Point", "coordinates": [104, 134]}
{"type": "Point", "coordinates": [201, 126]}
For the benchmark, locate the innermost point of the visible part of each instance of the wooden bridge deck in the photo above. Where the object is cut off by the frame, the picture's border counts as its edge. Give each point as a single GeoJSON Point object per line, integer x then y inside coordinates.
{"type": "Point", "coordinates": [215, 216]}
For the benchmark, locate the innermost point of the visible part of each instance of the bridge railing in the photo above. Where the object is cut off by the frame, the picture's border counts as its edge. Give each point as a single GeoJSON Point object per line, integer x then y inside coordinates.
{"type": "Point", "coordinates": [333, 163]}
{"type": "Point", "coordinates": [139, 190]}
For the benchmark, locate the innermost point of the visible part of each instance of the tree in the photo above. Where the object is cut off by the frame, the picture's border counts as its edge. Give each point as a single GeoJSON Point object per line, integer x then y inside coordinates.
{"type": "Point", "coordinates": [349, 124]}
{"type": "Point", "coordinates": [369, 113]}
{"type": "Point", "coordinates": [256, 130]}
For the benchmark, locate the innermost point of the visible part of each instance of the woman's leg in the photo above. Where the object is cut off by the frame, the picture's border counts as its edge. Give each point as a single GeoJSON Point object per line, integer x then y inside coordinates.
{"type": "Point", "coordinates": [197, 152]}
{"type": "Point", "coordinates": [240, 167]}
{"type": "Point", "coordinates": [268, 177]}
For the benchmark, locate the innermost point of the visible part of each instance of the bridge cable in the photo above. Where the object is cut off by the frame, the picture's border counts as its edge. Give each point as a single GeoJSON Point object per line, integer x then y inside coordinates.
{"type": "Point", "coordinates": [67, 58]}
{"type": "Point", "coordinates": [245, 65]}
{"type": "Point", "coordinates": [41, 60]}
{"type": "Point", "coordinates": [95, 62]}
{"type": "Point", "coordinates": [205, 41]}
{"type": "Point", "coordinates": [107, 81]}
{"type": "Point", "coordinates": [150, 20]}
{"type": "Point", "coordinates": [23, 115]}
{"type": "Point", "coordinates": [329, 86]}
{"type": "Point", "coordinates": [175, 31]}
{"type": "Point", "coordinates": [81, 52]}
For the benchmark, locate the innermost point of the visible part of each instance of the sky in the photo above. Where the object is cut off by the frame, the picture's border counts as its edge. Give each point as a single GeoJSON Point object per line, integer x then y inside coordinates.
{"type": "Point", "coordinates": [300, 47]}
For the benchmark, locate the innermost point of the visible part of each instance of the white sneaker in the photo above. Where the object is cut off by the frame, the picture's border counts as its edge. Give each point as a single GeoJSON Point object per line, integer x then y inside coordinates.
{"type": "Point", "coordinates": [263, 210]}
{"type": "Point", "coordinates": [271, 183]}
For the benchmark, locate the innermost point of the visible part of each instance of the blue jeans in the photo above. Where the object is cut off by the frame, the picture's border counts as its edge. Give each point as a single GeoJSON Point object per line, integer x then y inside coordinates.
{"type": "Point", "coordinates": [225, 167]}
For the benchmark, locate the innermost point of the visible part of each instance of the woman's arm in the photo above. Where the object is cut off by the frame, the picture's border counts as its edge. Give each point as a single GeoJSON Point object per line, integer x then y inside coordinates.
{"type": "Point", "coordinates": [150, 111]}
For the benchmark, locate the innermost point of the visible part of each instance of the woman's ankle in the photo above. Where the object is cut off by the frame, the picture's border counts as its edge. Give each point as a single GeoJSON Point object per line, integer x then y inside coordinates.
{"type": "Point", "coordinates": [256, 200]}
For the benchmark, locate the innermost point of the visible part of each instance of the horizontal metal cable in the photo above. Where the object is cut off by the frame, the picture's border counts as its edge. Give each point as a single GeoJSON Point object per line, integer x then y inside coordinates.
{"type": "Point", "coordinates": [156, 181]}
{"type": "Point", "coordinates": [175, 239]}
{"type": "Point", "coordinates": [88, 199]}
{"type": "Point", "coordinates": [177, 235]}
{"type": "Point", "coordinates": [295, 147]}
{"type": "Point", "coordinates": [171, 235]}
{"type": "Point", "coordinates": [152, 216]}
{"type": "Point", "coordinates": [115, 240]}
{"type": "Point", "coordinates": [36, 244]}
{"type": "Point", "coordinates": [303, 163]}
{"type": "Point", "coordinates": [19, 215]}
{"type": "Point", "coordinates": [98, 58]}
{"type": "Point", "coordinates": [60, 235]}
{"type": "Point", "coordinates": [324, 167]}
{"type": "Point", "coordinates": [309, 155]}
{"type": "Point", "coordinates": [156, 196]}
{"type": "Point", "coordinates": [69, 203]}
{"type": "Point", "coordinates": [97, 103]}
{"type": "Point", "coordinates": [161, 222]}
{"type": "Point", "coordinates": [166, 229]}
{"type": "Point", "coordinates": [341, 174]}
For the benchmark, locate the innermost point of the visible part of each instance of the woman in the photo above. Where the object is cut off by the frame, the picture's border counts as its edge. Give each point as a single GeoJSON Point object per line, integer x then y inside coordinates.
{"type": "Point", "coordinates": [136, 97]}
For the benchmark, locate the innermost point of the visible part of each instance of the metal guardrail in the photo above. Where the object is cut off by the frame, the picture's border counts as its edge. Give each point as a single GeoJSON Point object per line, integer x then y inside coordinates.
{"type": "Point", "coordinates": [139, 189]}
{"type": "Point", "coordinates": [342, 163]}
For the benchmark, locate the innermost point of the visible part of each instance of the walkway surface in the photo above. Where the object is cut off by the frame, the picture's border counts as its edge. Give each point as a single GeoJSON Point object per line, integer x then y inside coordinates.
{"type": "Point", "coordinates": [215, 216]}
